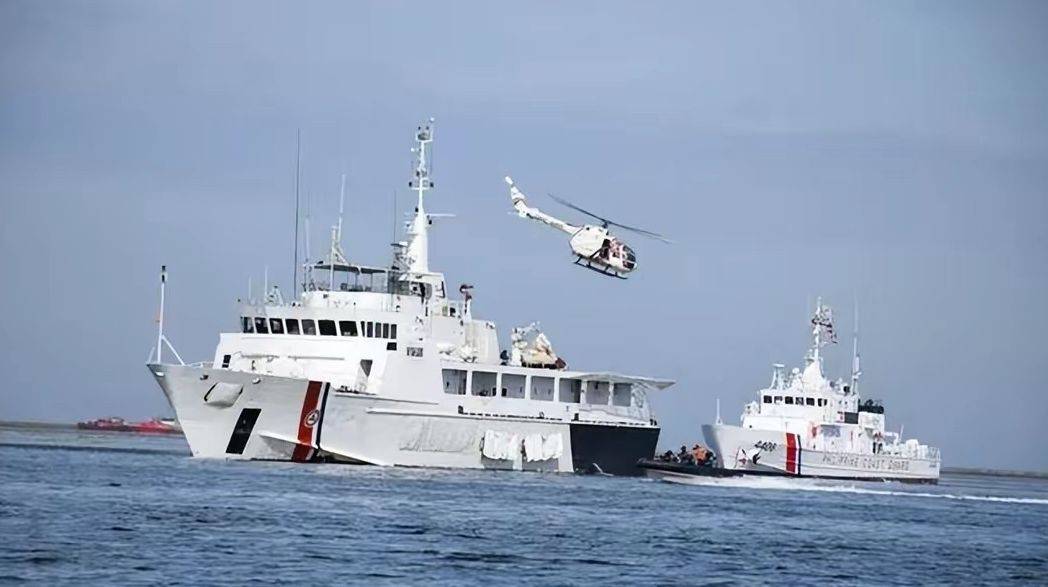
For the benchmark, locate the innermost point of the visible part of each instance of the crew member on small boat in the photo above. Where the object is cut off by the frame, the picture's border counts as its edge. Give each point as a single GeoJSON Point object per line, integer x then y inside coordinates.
{"type": "Point", "coordinates": [684, 456]}
{"type": "Point", "coordinates": [703, 456]}
{"type": "Point", "coordinates": [700, 454]}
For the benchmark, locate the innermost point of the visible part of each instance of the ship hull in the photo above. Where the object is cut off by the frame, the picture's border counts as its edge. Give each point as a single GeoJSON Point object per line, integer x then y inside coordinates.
{"type": "Point", "coordinates": [245, 416]}
{"type": "Point", "coordinates": [780, 454]}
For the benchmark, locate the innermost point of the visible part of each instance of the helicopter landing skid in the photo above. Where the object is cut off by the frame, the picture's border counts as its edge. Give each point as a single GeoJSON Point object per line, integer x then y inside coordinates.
{"type": "Point", "coordinates": [583, 262]}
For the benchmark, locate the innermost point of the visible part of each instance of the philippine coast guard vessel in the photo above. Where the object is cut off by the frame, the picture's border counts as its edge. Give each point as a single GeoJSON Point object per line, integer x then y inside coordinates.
{"type": "Point", "coordinates": [377, 365]}
{"type": "Point", "coordinates": [805, 425]}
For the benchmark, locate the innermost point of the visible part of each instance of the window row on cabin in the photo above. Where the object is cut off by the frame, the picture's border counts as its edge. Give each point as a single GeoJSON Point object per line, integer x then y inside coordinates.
{"type": "Point", "coordinates": [310, 327]}
{"type": "Point", "coordinates": [795, 401]}
{"type": "Point", "coordinates": [513, 385]}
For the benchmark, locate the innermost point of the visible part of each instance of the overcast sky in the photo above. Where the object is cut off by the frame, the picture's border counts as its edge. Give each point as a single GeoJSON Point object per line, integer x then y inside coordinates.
{"type": "Point", "coordinates": [890, 152]}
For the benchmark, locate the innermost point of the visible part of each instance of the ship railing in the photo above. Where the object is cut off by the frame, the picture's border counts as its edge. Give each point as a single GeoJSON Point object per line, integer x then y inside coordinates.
{"type": "Point", "coordinates": [919, 452]}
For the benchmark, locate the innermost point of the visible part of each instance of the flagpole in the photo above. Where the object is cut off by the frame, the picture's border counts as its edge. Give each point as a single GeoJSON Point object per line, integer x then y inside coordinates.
{"type": "Point", "coordinates": [160, 327]}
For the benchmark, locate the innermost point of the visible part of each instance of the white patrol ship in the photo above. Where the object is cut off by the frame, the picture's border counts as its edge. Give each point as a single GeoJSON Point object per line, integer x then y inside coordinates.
{"type": "Point", "coordinates": [804, 425]}
{"type": "Point", "coordinates": [379, 366]}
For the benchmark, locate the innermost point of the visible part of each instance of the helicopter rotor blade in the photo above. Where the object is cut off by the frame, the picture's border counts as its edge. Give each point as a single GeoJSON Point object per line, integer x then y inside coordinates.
{"type": "Point", "coordinates": [607, 222]}
{"type": "Point", "coordinates": [646, 233]}
{"type": "Point", "coordinates": [564, 202]}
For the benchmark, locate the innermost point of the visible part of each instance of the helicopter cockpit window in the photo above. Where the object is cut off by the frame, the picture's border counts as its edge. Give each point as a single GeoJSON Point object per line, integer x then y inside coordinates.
{"type": "Point", "coordinates": [630, 258]}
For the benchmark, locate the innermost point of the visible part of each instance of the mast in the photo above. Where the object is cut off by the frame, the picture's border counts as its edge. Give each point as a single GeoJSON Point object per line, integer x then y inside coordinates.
{"type": "Point", "coordinates": [417, 254]}
{"type": "Point", "coordinates": [856, 371]}
{"type": "Point", "coordinates": [161, 340]}
{"type": "Point", "coordinates": [160, 319]}
{"type": "Point", "coordinates": [308, 230]}
{"type": "Point", "coordinates": [822, 332]}
{"type": "Point", "coordinates": [298, 174]}
{"type": "Point", "coordinates": [307, 263]}
{"type": "Point", "coordinates": [341, 209]}
{"type": "Point", "coordinates": [335, 254]}
{"type": "Point", "coordinates": [816, 331]}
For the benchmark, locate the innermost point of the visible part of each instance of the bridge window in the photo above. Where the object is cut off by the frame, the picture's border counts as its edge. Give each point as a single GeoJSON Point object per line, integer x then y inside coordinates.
{"type": "Point", "coordinates": [622, 395]}
{"type": "Point", "coordinates": [809, 401]}
{"type": "Point", "coordinates": [454, 381]}
{"type": "Point", "coordinates": [260, 326]}
{"type": "Point", "coordinates": [370, 329]}
{"type": "Point", "coordinates": [767, 399]}
{"type": "Point", "coordinates": [392, 330]}
{"type": "Point", "coordinates": [598, 393]}
{"type": "Point", "coordinates": [778, 400]}
{"type": "Point", "coordinates": [247, 325]}
{"type": "Point", "coordinates": [483, 384]}
{"type": "Point", "coordinates": [542, 389]}
{"type": "Point", "coordinates": [513, 386]}
{"type": "Point", "coordinates": [309, 327]}
{"type": "Point", "coordinates": [789, 400]}
{"type": "Point", "coordinates": [385, 331]}
{"type": "Point", "coordinates": [327, 328]}
{"type": "Point", "coordinates": [348, 327]}
{"type": "Point", "coordinates": [292, 325]}
{"type": "Point", "coordinates": [570, 391]}
{"type": "Point", "coordinates": [276, 326]}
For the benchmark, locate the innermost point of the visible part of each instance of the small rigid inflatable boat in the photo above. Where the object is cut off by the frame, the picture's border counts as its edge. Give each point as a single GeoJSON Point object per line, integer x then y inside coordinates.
{"type": "Point", "coordinates": [682, 472]}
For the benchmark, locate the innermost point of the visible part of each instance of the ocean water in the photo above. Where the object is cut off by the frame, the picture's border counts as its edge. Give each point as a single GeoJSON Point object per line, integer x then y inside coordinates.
{"type": "Point", "coordinates": [97, 508]}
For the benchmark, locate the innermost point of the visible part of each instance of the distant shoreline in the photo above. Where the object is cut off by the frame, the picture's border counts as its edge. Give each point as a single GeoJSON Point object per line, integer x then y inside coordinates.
{"type": "Point", "coordinates": [27, 425]}
{"type": "Point", "coordinates": [37, 425]}
{"type": "Point", "coordinates": [994, 472]}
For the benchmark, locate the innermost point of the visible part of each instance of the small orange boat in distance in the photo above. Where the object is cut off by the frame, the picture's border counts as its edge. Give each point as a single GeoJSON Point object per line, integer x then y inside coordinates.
{"type": "Point", "coordinates": [115, 424]}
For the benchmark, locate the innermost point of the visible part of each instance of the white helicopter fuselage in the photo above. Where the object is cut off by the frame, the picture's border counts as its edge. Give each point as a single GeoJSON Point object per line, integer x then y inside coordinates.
{"type": "Point", "coordinates": [594, 247]}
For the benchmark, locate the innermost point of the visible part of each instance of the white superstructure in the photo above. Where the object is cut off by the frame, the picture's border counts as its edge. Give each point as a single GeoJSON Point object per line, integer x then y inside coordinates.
{"type": "Point", "coordinates": [804, 424]}
{"type": "Point", "coordinates": [379, 365]}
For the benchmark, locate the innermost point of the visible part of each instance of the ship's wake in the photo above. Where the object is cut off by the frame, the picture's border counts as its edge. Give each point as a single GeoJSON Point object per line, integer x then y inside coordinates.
{"type": "Point", "coordinates": [836, 487]}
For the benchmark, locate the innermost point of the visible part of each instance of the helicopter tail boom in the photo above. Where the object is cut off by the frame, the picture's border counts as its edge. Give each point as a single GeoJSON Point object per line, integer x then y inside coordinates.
{"type": "Point", "coordinates": [520, 205]}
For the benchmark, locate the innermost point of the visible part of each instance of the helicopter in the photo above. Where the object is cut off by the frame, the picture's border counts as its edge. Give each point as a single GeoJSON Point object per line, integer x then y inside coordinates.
{"type": "Point", "coordinates": [594, 246]}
